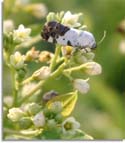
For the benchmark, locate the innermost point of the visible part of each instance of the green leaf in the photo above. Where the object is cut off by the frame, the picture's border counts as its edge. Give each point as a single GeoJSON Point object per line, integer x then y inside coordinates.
{"type": "Point", "coordinates": [68, 102]}
{"type": "Point", "coordinates": [53, 133]}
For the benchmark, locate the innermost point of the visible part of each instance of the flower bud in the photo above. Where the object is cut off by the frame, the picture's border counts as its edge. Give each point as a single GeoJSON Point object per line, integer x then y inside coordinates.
{"type": "Point", "coordinates": [33, 108]}
{"type": "Point", "coordinates": [51, 16]}
{"type": "Point", "coordinates": [81, 85]}
{"type": "Point", "coordinates": [25, 122]}
{"type": "Point", "coordinates": [45, 56]}
{"type": "Point", "coordinates": [93, 68]}
{"type": "Point", "coordinates": [90, 56]}
{"type": "Point", "coordinates": [55, 16]}
{"type": "Point", "coordinates": [67, 51]}
{"type": "Point", "coordinates": [8, 26]}
{"type": "Point", "coordinates": [39, 119]}
{"type": "Point", "coordinates": [59, 118]}
{"type": "Point", "coordinates": [56, 107]}
{"type": "Point", "coordinates": [49, 95]}
{"type": "Point", "coordinates": [21, 74]}
{"type": "Point", "coordinates": [15, 114]}
{"type": "Point", "coordinates": [17, 60]}
{"type": "Point", "coordinates": [8, 100]}
{"type": "Point", "coordinates": [42, 73]}
{"type": "Point", "coordinates": [32, 55]}
{"type": "Point", "coordinates": [21, 34]}
{"type": "Point", "coordinates": [71, 20]}
{"type": "Point", "coordinates": [51, 123]}
{"type": "Point", "coordinates": [38, 10]}
{"type": "Point", "coordinates": [81, 57]}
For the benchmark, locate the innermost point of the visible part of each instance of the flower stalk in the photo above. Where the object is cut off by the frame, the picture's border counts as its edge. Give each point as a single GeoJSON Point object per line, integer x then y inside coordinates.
{"type": "Point", "coordinates": [36, 88]}
{"type": "Point", "coordinates": [15, 86]}
{"type": "Point", "coordinates": [26, 81]}
{"type": "Point", "coordinates": [54, 60]}
{"type": "Point", "coordinates": [77, 68]}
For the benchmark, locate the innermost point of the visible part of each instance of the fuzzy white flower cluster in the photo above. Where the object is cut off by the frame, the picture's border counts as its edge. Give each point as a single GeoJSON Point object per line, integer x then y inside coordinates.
{"type": "Point", "coordinates": [70, 125]}
{"type": "Point", "coordinates": [90, 68]}
{"type": "Point", "coordinates": [21, 34]}
{"type": "Point", "coordinates": [71, 20]}
{"type": "Point", "coordinates": [15, 114]}
{"type": "Point", "coordinates": [85, 64]}
{"type": "Point", "coordinates": [17, 60]}
{"type": "Point", "coordinates": [39, 10]}
{"type": "Point", "coordinates": [68, 19]}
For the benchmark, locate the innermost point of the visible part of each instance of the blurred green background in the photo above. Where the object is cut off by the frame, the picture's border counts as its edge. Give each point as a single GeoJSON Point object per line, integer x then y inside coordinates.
{"type": "Point", "coordinates": [101, 111]}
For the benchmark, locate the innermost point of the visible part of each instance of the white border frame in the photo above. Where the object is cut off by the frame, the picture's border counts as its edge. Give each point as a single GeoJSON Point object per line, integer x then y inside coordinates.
{"type": "Point", "coordinates": [1, 64]}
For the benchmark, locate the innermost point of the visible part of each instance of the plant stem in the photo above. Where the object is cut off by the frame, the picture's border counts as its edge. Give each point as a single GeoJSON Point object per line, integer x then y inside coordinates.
{"type": "Point", "coordinates": [27, 80]}
{"type": "Point", "coordinates": [54, 60]}
{"type": "Point", "coordinates": [36, 88]}
{"type": "Point", "coordinates": [75, 68]}
{"type": "Point", "coordinates": [58, 71]}
{"type": "Point", "coordinates": [7, 58]}
{"type": "Point", "coordinates": [15, 87]}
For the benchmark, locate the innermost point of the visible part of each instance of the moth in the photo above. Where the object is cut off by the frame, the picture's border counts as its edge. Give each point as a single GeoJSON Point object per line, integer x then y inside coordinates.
{"type": "Point", "coordinates": [55, 32]}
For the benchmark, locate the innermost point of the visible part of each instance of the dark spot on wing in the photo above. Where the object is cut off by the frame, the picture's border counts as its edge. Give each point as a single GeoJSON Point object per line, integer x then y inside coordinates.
{"type": "Point", "coordinates": [53, 34]}
{"type": "Point", "coordinates": [54, 40]}
{"type": "Point", "coordinates": [69, 43]}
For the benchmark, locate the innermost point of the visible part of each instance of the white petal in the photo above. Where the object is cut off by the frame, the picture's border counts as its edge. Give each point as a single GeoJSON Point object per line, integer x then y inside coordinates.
{"type": "Point", "coordinates": [81, 85]}
{"type": "Point", "coordinates": [21, 27]}
{"type": "Point", "coordinates": [93, 68]}
{"type": "Point", "coordinates": [39, 120]}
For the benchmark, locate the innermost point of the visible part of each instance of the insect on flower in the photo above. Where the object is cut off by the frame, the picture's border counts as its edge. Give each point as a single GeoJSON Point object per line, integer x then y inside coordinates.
{"type": "Point", "coordinates": [55, 32]}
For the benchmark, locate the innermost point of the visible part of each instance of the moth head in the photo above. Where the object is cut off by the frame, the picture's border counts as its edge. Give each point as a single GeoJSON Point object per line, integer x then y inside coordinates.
{"type": "Point", "coordinates": [49, 30]}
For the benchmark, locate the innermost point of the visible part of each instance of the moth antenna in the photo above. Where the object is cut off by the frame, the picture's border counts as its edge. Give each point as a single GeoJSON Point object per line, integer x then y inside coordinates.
{"type": "Point", "coordinates": [104, 35]}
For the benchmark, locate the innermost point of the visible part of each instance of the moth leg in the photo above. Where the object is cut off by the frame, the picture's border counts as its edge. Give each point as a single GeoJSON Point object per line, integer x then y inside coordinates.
{"type": "Point", "coordinates": [86, 50]}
